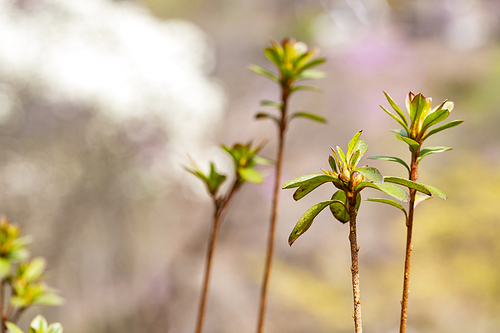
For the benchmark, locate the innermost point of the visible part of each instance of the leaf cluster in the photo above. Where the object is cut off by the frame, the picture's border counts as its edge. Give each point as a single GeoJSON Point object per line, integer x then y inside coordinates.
{"type": "Point", "coordinates": [349, 179]}
{"type": "Point", "coordinates": [294, 62]}
{"type": "Point", "coordinates": [38, 325]}
{"type": "Point", "coordinates": [24, 278]}
{"type": "Point", "coordinates": [417, 127]}
{"type": "Point", "coordinates": [244, 158]}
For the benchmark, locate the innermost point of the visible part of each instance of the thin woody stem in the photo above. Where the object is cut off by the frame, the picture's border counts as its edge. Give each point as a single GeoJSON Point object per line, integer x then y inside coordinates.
{"type": "Point", "coordinates": [220, 208]}
{"type": "Point", "coordinates": [409, 247]}
{"type": "Point", "coordinates": [274, 212]}
{"type": "Point", "coordinates": [354, 263]}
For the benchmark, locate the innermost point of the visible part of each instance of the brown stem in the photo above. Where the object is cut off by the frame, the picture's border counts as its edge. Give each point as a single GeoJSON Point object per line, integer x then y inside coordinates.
{"type": "Point", "coordinates": [354, 263]}
{"type": "Point", "coordinates": [409, 231]}
{"type": "Point", "coordinates": [274, 211]}
{"type": "Point", "coordinates": [220, 208]}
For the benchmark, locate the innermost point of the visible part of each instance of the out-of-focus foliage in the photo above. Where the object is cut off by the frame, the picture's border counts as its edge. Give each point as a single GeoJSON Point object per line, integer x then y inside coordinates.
{"type": "Point", "coordinates": [38, 325]}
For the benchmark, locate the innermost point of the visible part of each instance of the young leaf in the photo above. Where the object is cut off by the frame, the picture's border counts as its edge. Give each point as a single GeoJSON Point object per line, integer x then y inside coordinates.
{"type": "Point", "coordinates": [311, 116]}
{"type": "Point", "coordinates": [304, 190]}
{"type": "Point", "coordinates": [408, 183]}
{"type": "Point", "coordinates": [312, 63]}
{"type": "Point", "coordinates": [388, 188]}
{"type": "Point", "coordinates": [437, 192]}
{"type": "Point", "coordinates": [339, 208]}
{"type": "Point", "coordinates": [35, 269]}
{"type": "Point", "coordinates": [362, 146]}
{"type": "Point", "coordinates": [402, 123]}
{"type": "Point", "coordinates": [272, 104]}
{"type": "Point", "coordinates": [412, 143]}
{"type": "Point", "coordinates": [443, 127]}
{"type": "Point", "coordinates": [264, 72]}
{"type": "Point", "coordinates": [396, 108]}
{"type": "Point", "coordinates": [306, 220]}
{"type": "Point", "coordinates": [435, 117]}
{"type": "Point", "coordinates": [352, 144]}
{"type": "Point", "coordinates": [39, 323]}
{"type": "Point", "coordinates": [273, 55]}
{"type": "Point", "coordinates": [390, 202]}
{"type": "Point", "coordinates": [5, 267]}
{"type": "Point", "coordinates": [371, 173]}
{"type": "Point", "coordinates": [55, 328]}
{"type": "Point", "coordinates": [342, 157]}
{"type": "Point", "coordinates": [307, 179]}
{"type": "Point", "coordinates": [401, 132]}
{"type": "Point", "coordinates": [339, 161]}
{"type": "Point", "coordinates": [431, 150]}
{"type": "Point", "coordinates": [419, 197]}
{"type": "Point", "coordinates": [311, 74]}
{"type": "Point", "coordinates": [48, 299]}
{"type": "Point", "coordinates": [261, 115]}
{"type": "Point", "coordinates": [354, 159]}
{"type": "Point", "coordinates": [391, 159]}
{"type": "Point", "coordinates": [308, 88]}
{"type": "Point", "coordinates": [13, 328]}
{"type": "Point", "coordinates": [333, 163]}
{"type": "Point", "coordinates": [250, 175]}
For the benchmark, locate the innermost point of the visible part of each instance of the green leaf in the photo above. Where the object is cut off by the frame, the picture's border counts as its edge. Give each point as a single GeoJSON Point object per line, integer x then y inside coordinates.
{"type": "Point", "coordinates": [55, 328]}
{"type": "Point", "coordinates": [390, 202]}
{"type": "Point", "coordinates": [419, 104]}
{"type": "Point", "coordinates": [437, 192]}
{"type": "Point", "coordinates": [333, 163]}
{"type": "Point", "coordinates": [352, 144]}
{"type": "Point", "coordinates": [355, 159]}
{"type": "Point", "coordinates": [311, 116]}
{"type": "Point", "coordinates": [13, 328]}
{"type": "Point", "coordinates": [262, 160]}
{"type": "Point", "coordinates": [388, 188]}
{"type": "Point", "coordinates": [308, 179]}
{"type": "Point", "coordinates": [250, 175]}
{"type": "Point", "coordinates": [311, 74]}
{"type": "Point", "coordinates": [402, 123]}
{"type": "Point", "coordinates": [306, 220]}
{"type": "Point", "coordinates": [396, 108]}
{"type": "Point", "coordinates": [362, 146]}
{"type": "Point", "coordinates": [391, 159]}
{"type": "Point", "coordinates": [342, 157]}
{"type": "Point", "coordinates": [408, 183]}
{"type": "Point", "coordinates": [339, 161]}
{"type": "Point", "coordinates": [304, 190]}
{"type": "Point", "coordinates": [371, 173]}
{"type": "Point", "coordinates": [312, 63]}
{"type": "Point", "coordinates": [274, 56]}
{"type": "Point", "coordinates": [339, 208]}
{"type": "Point", "coordinates": [435, 117]}
{"type": "Point", "coordinates": [5, 267]}
{"type": "Point", "coordinates": [308, 88]}
{"type": "Point", "coordinates": [48, 299]}
{"type": "Point", "coordinates": [264, 72]}
{"type": "Point", "coordinates": [401, 132]}
{"type": "Point", "coordinates": [262, 115]}
{"type": "Point", "coordinates": [419, 197]}
{"type": "Point", "coordinates": [35, 269]}
{"type": "Point", "coordinates": [412, 143]}
{"type": "Point", "coordinates": [39, 324]}
{"type": "Point", "coordinates": [431, 150]}
{"type": "Point", "coordinates": [271, 104]}
{"type": "Point", "coordinates": [443, 127]}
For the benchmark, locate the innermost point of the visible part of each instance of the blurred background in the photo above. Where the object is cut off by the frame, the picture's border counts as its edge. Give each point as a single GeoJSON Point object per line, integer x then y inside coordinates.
{"type": "Point", "coordinates": [102, 101]}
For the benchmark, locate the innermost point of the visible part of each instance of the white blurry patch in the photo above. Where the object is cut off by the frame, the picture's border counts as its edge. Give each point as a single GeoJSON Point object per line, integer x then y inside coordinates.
{"type": "Point", "coordinates": [117, 58]}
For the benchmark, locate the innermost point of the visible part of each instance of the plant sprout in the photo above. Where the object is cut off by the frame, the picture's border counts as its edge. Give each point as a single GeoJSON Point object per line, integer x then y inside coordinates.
{"type": "Point", "coordinates": [294, 62]}
{"type": "Point", "coordinates": [415, 131]}
{"type": "Point", "coordinates": [38, 325]}
{"type": "Point", "coordinates": [350, 180]}
{"type": "Point", "coordinates": [244, 160]}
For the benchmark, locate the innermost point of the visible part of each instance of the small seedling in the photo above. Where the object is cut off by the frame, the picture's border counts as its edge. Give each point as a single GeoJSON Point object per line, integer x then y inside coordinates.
{"type": "Point", "coordinates": [350, 180]}
{"type": "Point", "coordinates": [244, 160]}
{"type": "Point", "coordinates": [293, 61]}
{"type": "Point", "coordinates": [415, 131]}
